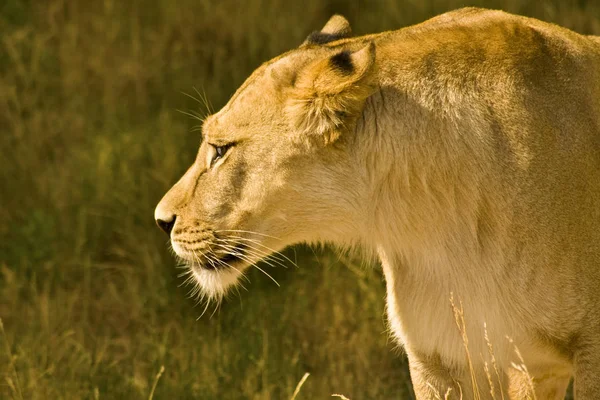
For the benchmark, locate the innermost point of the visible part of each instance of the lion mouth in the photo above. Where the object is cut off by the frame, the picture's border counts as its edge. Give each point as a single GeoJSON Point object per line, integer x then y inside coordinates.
{"type": "Point", "coordinates": [226, 259]}
{"type": "Point", "coordinates": [220, 259]}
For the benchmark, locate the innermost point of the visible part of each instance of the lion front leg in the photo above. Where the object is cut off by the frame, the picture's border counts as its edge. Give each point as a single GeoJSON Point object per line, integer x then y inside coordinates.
{"type": "Point", "coordinates": [432, 380]}
{"type": "Point", "coordinates": [587, 372]}
{"type": "Point", "coordinates": [543, 385]}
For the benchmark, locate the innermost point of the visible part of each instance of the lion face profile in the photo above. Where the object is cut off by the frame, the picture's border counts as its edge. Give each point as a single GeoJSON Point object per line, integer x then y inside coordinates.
{"type": "Point", "coordinates": [268, 160]}
{"type": "Point", "coordinates": [464, 152]}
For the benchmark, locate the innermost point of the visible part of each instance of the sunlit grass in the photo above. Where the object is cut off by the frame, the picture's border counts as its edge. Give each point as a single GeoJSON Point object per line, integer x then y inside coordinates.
{"type": "Point", "coordinates": [90, 139]}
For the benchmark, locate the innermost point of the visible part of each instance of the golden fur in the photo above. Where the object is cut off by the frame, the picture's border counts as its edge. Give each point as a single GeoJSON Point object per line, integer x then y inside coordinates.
{"type": "Point", "coordinates": [464, 152]}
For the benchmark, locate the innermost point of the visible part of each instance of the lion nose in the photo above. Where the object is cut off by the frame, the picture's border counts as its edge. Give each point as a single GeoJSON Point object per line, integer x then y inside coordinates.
{"type": "Point", "coordinates": [166, 224]}
{"type": "Point", "coordinates": [164, 213]}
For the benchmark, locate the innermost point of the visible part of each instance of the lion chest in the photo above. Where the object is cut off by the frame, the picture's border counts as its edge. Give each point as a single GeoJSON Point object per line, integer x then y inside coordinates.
{"type": "Point", "coordinates": [448, 316]}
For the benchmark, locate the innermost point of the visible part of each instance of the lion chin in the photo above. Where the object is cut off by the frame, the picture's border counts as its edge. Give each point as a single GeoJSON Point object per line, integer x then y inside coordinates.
{"type": "Point", "coordinates": [214, 284]}
{"type": "Point", "coordinates": [211, 279]}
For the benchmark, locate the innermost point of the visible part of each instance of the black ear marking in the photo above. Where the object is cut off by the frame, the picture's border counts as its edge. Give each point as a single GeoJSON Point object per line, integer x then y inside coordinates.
{"type": "Point", "coordinates": [342, 62]}
{"type": "Point", "coordinates": [318, 37]}
{"type": "Point", "coordinates": [336, 28]}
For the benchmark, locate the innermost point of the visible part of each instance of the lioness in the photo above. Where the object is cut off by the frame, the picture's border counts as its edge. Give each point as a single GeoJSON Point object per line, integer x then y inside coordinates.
{"type": "Point", "coordinates": [464, 152]}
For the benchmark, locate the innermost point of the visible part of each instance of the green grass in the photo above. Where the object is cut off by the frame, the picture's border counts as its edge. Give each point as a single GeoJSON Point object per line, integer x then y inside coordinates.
{"type": "Point", "coordinates": [90, 139]}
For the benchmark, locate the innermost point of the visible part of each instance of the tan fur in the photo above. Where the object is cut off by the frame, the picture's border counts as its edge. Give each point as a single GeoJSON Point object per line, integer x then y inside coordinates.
{"type": "Point", "coordinates": [322, 101]}
{"type": "Point", "coordinates": [464, 152]}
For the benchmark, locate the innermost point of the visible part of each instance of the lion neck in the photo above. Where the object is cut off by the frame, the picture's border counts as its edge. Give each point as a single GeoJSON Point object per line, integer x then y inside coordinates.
{"type": "Point", "coordinates": [425, 200]}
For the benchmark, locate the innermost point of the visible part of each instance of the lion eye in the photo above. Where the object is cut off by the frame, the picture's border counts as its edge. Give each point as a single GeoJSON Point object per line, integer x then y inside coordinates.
{"type": "Point", "coordinates": [218, 153]}
{"type": "Point", "coordinates": [221, 150]}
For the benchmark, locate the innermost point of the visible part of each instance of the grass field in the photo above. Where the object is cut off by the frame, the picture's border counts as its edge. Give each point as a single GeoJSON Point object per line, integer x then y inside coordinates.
{"type": "Point", "coordinates": [91, 138]}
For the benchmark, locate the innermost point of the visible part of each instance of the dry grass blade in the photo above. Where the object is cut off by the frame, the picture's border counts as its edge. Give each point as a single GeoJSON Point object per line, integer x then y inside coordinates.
{"type": "Point", "coordinates": [522, 369]}
{"type": "Point", "coordinates": [459, 318]}
{"type": "Point", "coordinates": [494, 364]}
{"type": "Point", "coordinates": [16, 387]}
{"type": "Point", "coordinates": [488, 375]}
{"type": "Point", "coordinates": [299, 385]}
{"type": "Point", "coordinates": [438, 395]}
{"type": "Point", "coordinates": [341, 396]}
{"type": "Point", "coordinates": [158, 375]}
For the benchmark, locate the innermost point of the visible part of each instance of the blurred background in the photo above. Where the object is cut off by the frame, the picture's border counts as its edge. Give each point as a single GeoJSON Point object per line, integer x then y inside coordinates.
{"type": "Point", "coordinates": [95, 98]}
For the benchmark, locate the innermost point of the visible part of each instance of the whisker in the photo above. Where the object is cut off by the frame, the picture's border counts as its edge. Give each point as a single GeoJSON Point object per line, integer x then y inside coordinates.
{"type": "Point", "coordinates": [234, 245]}
{"type": "Point", "coordinates": [187, 281]}
{"type": "Point", "coordinates": [272, 257]}
{"type": "Point", "coordinates": [253, 243]}
{"type": "Point", "coordinates": [256, 242]}
{"type": "Point", "coordinates": [191, 97]}
{"type": "Point", "coordinates": [205, 100]}
{"type": "Point", "coordinates": [194, 292]}
{"type": "Point", "coordinates": [204, 311]}
{"type": "Point", "coordinates": [260, 269]}
{"type": "Point", "coordinates": [251, 232]}
{"type": "Point", "coordinates": [217, 306]}
{"type": "Point", "coordinates": [226, 265]}
{"type": "Point", "coordinates": [199, 299]}
{"type": "Point", "coordinates": [264, 272]}
{"type": "Point", "coordinates": [192, 115]}
{"type": "Point", "coordinates": [241, 273]}
{"type": "Point", "coordinates": [266, 258]}
{"type": "Point", "coordinates": [233, 251]}
{"type": "Point", "coordinates": [243, 287]}
{"type": "Point", "coordinates": [184, 273]}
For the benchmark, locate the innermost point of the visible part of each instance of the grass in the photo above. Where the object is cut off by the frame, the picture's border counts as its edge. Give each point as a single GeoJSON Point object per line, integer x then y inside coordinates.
{"type": "Point", "coordinates": [90, 139]}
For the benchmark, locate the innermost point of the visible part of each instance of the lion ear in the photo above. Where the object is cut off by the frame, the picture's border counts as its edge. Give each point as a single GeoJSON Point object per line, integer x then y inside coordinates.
{"type": "Point", "coordinates": [329, 94]}
{"type": "Point", "coordinates": [336, 28]}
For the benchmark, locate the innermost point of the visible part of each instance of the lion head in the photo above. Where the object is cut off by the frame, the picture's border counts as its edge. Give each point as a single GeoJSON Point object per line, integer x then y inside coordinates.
{"type": "Point", "coordinates": [276, 165]}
